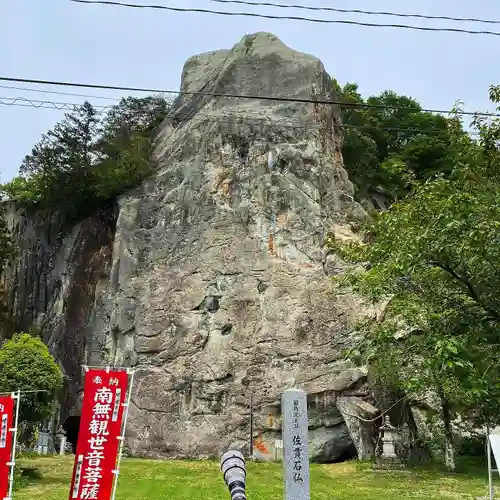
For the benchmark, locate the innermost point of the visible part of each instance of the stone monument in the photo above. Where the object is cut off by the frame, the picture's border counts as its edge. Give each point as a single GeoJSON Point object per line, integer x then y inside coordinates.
{"type": "Point", "coordinates": [44, 444]}
{"type": "Point", "coordinates": [295, 445]}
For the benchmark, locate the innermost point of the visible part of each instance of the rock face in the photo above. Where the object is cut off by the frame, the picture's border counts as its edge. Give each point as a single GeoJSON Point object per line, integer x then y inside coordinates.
{"type": "Point", "coordinates": [359, 417]}
{"type": "Point", "coordinates": [218, 285]}
{"type": "Point", "coordinates": [53, 283]}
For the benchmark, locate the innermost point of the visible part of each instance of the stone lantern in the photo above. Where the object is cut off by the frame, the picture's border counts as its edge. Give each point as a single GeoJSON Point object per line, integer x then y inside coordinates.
{"type": "Point", "coordinates": [61, 440]}
{"type": "Point", "coordinates": [388, 460]}
{"type": "Point", "coordinates": [389, 438]}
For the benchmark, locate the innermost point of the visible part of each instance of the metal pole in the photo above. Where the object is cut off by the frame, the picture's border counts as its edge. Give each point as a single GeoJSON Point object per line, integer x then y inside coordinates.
{"type": "Point", "coordinates": [122, 437]}
{"type": "Point", "coordinates": [250, 454]}
{"type": "Point", "coordinates": [490, 474]}
{"type": "Point", "coordinates": [25, 392]}
{"type": "Point", "coordinates": [17, 396]}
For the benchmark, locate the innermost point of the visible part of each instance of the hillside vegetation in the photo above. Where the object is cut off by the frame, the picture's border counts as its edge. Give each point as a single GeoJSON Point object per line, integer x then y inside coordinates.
{"type": "Point", "coordinates": [89, 158]}
{"type": "Point", "coordinates": [432, 259]}
{"type": "Point", "coordinates": [390, 142]}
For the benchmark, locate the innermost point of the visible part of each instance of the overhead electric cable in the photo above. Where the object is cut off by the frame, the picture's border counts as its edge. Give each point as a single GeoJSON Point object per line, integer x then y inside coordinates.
{"type": "Point", "coordinates": [290, 18]}
{"type": "Point", "coordinates": [23, 101]}
{"type": "Point", "coordinates": [358, 11]}
{"type": "Point", "coordinates": [68, 106]}
{"type": "Point", "coordinates": [250, 97]}
{"type": "Point", "coordinates": [55, 92]}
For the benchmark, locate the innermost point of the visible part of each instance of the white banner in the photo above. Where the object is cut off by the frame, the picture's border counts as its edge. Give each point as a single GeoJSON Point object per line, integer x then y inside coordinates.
{"type": "Point", "coordinates": [495, 448]}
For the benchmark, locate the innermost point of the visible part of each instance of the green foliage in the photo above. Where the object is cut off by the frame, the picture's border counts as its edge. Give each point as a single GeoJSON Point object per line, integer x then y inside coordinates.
{"type": "Point", "coordinates": [27, 192]}
{"type": "Point", "coordinates": [472, 446]}
{"type": "Point", "coordinates": [130, 118]}
{"type": "Point", "coordinates": [85, 161]}
{"type": "Point", "coordinates": [27, 365]}
{"type": "Point", "coordinates": [130, 165]}
{"type": "Point", "coordinates": [433, 258]}
{"type": "Point", "coordinates": [386, 147]}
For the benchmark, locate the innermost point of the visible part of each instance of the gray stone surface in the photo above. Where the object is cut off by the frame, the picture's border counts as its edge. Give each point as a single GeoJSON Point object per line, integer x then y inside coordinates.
{"type": "Point", "coordinates": [331, 444]}
{"type": "Point", "coordinates": [359, 417]}
{"type": "Point", "coordinates": [295, 444]}
{"type": "Point", "coordinates": [214, 282]}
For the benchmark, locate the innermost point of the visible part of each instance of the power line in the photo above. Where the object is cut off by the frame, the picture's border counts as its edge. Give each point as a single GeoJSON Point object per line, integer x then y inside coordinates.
{"type": "Point", "coordinates": [34, 103]}
{"type": "Point", "coordinates": [25, 89]}
{"type": "Point", "coordinates": [357, 11]}
{"type": "Point", "coordinates": [94, 86]}
{"type": "Point", "coordinates": [250, 97]}
{"type": "Point", "coordinates": [290, 18]}
{"type": "Point", "coordinates": [67, 106]}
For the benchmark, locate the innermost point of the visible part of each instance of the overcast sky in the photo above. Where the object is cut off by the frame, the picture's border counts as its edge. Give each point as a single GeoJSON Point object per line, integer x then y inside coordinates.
{"type": "Point", "coordinates": [60, 40]}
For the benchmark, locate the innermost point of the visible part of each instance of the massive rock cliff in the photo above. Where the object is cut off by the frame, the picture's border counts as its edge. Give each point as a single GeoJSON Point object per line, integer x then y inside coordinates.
{"type": "Point", "coordinates": [213, 279]}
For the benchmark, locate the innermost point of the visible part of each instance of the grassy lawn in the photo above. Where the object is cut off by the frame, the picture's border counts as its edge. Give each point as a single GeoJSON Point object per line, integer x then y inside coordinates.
{"type": "Point", "coordinates": [180, 480]}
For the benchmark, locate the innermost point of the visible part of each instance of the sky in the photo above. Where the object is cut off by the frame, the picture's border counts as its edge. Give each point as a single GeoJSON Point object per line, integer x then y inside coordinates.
{"type": "Point", "coordinates": [61, 40]}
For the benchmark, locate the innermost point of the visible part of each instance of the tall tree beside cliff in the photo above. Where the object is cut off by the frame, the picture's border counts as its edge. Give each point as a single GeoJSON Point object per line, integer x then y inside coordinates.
{"type": "Point", "coordinates": [434, 258]}
{"type": "Point", "coordinates": [391, 142]}
{"type": "Point", "coordinates": [64, 157]}
{"type": "Point", "coordinates": [87, 160]}
{"type": "Point", "coordinates": [125, 142]}
{"type": "Point", "coordinates": [132, 116]}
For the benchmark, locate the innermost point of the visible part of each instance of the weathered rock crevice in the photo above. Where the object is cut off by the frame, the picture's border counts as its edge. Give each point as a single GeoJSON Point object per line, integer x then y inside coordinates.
{"type": "Point", "coordinates": [53, 283]}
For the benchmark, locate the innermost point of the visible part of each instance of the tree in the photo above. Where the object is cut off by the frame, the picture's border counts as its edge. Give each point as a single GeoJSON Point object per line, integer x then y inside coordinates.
{"type": "Point", "coordinates": [85, 162]}
{"type": "Point", "coordinates": [60, 164]}
{"type": "Point", "coordinates": [132, 117]}
{"type": "Point", "coordinates": [68, 146]}
{"type": "Point", "coordinates": [129, 166]}
{"type": "Point", "coordinates": [391, 142]}
{"type": "Point", "coordinates": [27, 365]}
{"type": "Point", "coordinates": [433, 257]}
{"type": "Point", "coordinates": [125, 142]}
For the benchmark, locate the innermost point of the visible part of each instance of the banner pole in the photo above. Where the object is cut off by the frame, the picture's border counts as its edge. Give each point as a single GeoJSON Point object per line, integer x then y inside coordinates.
{"type": "Point", "coordinates": [116, 472]}
{"type": "Point", "coordinates": [490, 467]}
{"type": "Point", "coordinates": [17, 396]}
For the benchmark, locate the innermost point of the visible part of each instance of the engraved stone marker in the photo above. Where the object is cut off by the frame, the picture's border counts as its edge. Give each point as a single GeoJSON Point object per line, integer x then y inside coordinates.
{"type": "Point", "coordinates": [295, 444]}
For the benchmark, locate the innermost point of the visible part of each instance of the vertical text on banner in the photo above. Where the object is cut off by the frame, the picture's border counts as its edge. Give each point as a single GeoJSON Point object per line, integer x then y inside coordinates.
{"type": "Point", "coordinates": [100, 429]}
{"type": "Point", "coordinates": [6, 425]}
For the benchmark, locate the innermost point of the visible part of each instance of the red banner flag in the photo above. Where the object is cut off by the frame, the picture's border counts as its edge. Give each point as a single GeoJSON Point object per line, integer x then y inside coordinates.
{"type": "Point", "coordinates": [98, 438]}
{"type": "Point", "coordinates": [6, 434]}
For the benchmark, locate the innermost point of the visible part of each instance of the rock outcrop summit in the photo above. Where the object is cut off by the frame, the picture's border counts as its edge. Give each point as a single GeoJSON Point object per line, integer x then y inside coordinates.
{"type": "Point", "coordinates": [213, 283]}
